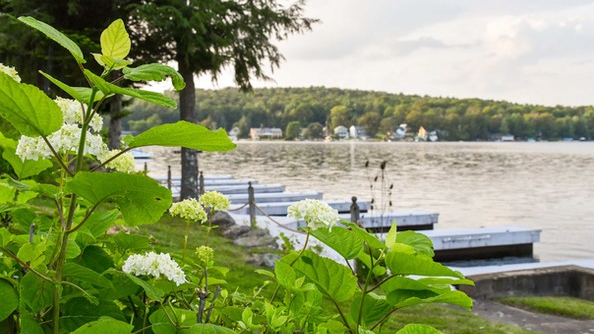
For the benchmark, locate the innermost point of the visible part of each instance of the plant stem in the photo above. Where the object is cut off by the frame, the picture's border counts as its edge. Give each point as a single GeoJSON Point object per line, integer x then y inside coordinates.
{"type": "Point", "coordinates": [186, 240]}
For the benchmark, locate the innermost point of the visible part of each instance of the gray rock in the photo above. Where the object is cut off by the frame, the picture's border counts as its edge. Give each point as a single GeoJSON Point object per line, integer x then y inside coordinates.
{"type": "Point", "coordinates": [256, 238]}
{"type": "Point", "coordinates": [223, 220]}
{"type": "Point", "coordinates": [235, 231]}
{"type": "Point", "coordinates": [267, 260]}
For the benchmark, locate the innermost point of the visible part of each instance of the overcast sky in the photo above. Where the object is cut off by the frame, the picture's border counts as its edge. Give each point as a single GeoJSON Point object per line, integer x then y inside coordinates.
{"type": "Point", "coordinates": [525, 51]}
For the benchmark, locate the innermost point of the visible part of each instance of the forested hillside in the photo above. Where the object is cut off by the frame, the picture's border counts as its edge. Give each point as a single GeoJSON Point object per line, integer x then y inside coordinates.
{"type": "Point", "coordinates": [378, 113]}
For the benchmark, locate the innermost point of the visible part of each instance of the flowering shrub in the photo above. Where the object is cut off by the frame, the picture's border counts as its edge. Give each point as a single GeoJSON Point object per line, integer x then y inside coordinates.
{"type": "Point", "coordinates": [60, 271]}
{"type": "Point", "coordinates": [316, 214]}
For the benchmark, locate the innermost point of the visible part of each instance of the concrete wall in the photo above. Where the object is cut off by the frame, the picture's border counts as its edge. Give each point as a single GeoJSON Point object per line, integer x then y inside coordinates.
{"type": "Point", "coordinates": [556, 281]}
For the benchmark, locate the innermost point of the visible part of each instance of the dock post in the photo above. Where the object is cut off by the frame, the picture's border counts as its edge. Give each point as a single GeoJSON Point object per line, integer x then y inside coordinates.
{"type": "Point", "coordinates": [169, 177]}
{"type": "Point", "coordinates": [355, 211]}
{"type": "Point", "coordinates": [201, 183]}
{"type": "Point", "coordinates": [252, 204]}
{"type": "Point", "coordinates": [145, 167]}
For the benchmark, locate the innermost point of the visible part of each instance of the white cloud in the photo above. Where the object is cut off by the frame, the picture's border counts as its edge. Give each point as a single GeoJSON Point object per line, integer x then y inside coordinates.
{"type": "Point", "coordinates": [533, 51]}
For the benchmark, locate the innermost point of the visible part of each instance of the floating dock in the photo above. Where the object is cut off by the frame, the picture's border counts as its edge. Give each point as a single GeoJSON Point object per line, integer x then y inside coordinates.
{"type": "Point", "coordinates": [482, 243]}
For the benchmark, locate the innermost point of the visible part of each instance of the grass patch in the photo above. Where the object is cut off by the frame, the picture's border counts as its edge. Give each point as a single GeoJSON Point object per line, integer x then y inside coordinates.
{"type": "Point", "coordinates": [562, 306]}
{"type": "Point", "coordinates": [168, 236]}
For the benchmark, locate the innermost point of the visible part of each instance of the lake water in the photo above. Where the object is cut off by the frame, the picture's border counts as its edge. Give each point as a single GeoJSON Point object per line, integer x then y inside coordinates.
{"type": "Point", "coordinates": [543, 185]}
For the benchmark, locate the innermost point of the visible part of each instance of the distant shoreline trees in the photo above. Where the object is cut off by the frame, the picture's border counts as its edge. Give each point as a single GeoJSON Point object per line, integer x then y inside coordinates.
{"type": "Point", "coordinates": [455, 119]}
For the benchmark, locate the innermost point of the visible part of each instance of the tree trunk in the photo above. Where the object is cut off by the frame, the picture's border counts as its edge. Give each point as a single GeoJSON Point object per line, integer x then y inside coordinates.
{"type": "Point", "coordinates": [189, 157]}
{"type": "Point", "coordinates": [115, 122]}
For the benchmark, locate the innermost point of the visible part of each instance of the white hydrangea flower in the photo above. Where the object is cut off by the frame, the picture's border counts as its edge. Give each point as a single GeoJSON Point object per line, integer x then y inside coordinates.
{"type": "Point", "coordinates": [11, 72]}
{"type": "Point", "coordinates": [74, 111]}
{"type": "Point", "coordinates": [65, 140]}
{"type": "Point", "coordinates": [155, 265]}
{"type": "Point", "coordinates": [189, 209]}
{"type": "Point", "coordinates": [315, 213]}
{"type": "Point", "coordinates": [214, 200]}
{"type": "Point", "coordinates": [124, 163]}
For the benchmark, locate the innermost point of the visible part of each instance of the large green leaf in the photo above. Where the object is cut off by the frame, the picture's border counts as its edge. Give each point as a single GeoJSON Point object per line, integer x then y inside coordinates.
{"type": "Point", "coordinates": [141, 199]}
{"type": "Point", "coordinates": [108, 88]}
{"type": "Point", "coordinates": [403, 298]}
{"type": "Point", "coordinates": [184, 134]}
{"type": "Point", "coordinates": [25, 106]}
{"type": "Point", "coordinates": [154, 72]}
{"type": "Point", "coordinates": [333, 279]}
{"type": "Point", "coordinates": [9, 298]}
{"type": "Point", "coordinates": [115, 41]}
{"type": "Point", "coordinates": [162, 325]}
{"type": "Point", "coordinates": [152, 292]}
{"type": "Point", "coordinates": [347, 243]}
{"type": "Point", "coordinates": [401, 263]}
{"type": "Point", "coordinates": [86, 275]}
{"type": "Point", "coordinates": [105, 325]}
{"type": "Point", "coordinates": [55, 35]}
{"type": "Point", "coordinates": [420, 242]}
{"type": "Point", "coordinates": [22, 169]}
{"type": "Point", "coordinates": [374, 308]}
{"type": "Point", "coordinates": [36, 292]}
{"type": "Point", "coordinates": [418, 329]}
{"type": "Point", "coordinates": [80, 311]}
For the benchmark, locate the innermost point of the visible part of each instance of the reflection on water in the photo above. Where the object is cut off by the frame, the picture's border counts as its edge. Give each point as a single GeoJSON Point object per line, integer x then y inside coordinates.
{"type": "Point", "coordinates": [549, 186]}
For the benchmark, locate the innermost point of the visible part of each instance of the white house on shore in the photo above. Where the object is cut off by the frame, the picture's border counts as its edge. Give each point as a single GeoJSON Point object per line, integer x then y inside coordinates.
{"type": "Point", "coordinates": [341, 132]}
{"type": "Point", "coordinates": [357, 132]}
{"type": "Point", "coordinates": [266, 133]}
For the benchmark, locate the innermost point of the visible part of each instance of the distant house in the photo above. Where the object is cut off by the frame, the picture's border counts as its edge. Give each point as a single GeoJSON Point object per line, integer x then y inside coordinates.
{"type": "Point", "coordinates": [508, 138]}
{"type": "Point", "coordinates": [341, 132]}
{"type": "Point", "coordinates": [357, 132]}
{"type": "Point", "coordinates": [266, 133]}
{"type": "Point", "coordinates": [233, 133]}
{"type": "Point", "coordinates": [401, 131]}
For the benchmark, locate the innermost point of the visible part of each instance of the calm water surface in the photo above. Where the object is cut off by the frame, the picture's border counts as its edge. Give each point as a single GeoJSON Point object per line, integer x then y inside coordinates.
{"type": "Point", "coordinates": [548, 186]}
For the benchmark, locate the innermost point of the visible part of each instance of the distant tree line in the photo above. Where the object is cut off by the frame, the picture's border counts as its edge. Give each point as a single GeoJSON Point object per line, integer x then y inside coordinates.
{"type": "Point", "coordinates": [379, 113]}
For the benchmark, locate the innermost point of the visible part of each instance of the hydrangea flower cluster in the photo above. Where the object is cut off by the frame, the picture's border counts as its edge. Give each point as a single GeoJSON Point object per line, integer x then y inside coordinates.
{"type": "Point", "coordinates": [155, 265]}
{"type": "Point", "coordinates": [214, 200]}
{"type": "Point", "coordinates": [10, 71]}
{"type": "Point", "coordinates": [205, 255]}
{"type": "Point", "coordinates": [316, 214]}
{"type": "Point", "coordinates": [67, 138]}
{"type": "Point", "coordinates": [190, 210]}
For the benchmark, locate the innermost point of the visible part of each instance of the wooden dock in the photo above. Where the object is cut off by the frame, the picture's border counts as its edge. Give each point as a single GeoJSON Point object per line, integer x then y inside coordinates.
{"type": "Point", "coordinates": [273, 200]}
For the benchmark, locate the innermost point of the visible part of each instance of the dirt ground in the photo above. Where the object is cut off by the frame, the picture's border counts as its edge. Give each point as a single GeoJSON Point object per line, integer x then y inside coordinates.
{"type": "Point", "coordinates": [537, 322]}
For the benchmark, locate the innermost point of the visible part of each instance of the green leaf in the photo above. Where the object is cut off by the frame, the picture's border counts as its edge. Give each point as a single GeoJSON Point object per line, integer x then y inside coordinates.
{"type": "Point", "coordinates": [95, 258]}
{"type": "Point", "coordinates": [81, 94]}
{"type": "Point", "coordinates": [9, 298]}
{"type": "Point", "coordinates": [401, 263]}
{"type": "Point", "coordinates": [154, 72]}
{"type": "Point", "coordinates": [125, 241]}
{"type": "Point", "coordinates": [184, 134]}
{"type": "Point", "coordinates": [420, 242]}
{"type": "Point", "coordinates": [207, 329]}
{"type": "Point", "coordinates": [7, 193]}
{"type": "Point", "coordinates": [162, 325]}
{"type": "Point", "coordinates": [32, 253]}
{"type": "Point", "coordinates": [100, 221]}
{"type": "Point", "coordinates": [86, 275]}
{"type": "Point", "coordinates": [27, 168]}
{"type": "Point", "coordinates": [27, 108]}
{"type": "Point", "coordinates": [5, 237]}
{"type": "Point", "coordinates": [36, 292]}
{"type": "Point", "coordinates": [141, 199]}
{"type": "Point", "coordinates": [111, 63]}
{"type": "Point", "coordinates": [56, 36]}
{"type": "Point", "coordinates": [347, 243]}
{"type": "Point", "coordinates": [105, 325]}
{"type": "Point", "coordinates": [418, 329]}
{"type": "Point", "coordinates": [80, 311]}
{"type": "Point", "coordinates": [333, 279]}
{"type": "Point", "coordinates": [391, 236]}
{"type": "Point", "coordinates": [152, 292]}
{"type": "Point", "coordinates": [115, 41]}
{"type": "Point", "coordinates": [108, 88]}
{"type": "Point", "coordinates": [374, 308]}
{"type": "Point", "coordinates": [399, 299]}
{"type": "Point", "coordinates": [371, 240]}
{"type": "Point", "coordinates": [285, 275]}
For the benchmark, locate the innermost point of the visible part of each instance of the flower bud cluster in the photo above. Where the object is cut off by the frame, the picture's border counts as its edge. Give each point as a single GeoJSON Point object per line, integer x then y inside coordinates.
{"type": "Point", "coordinates": [155, 265]}
{"type": "Point", "coordinates": [204, 255]}
{"type": "Point", "coordinates": [316, 214]}
{"type": "Point", "coordinates": [214, 200]}
{"type": "Point", "coordinates": [190, 210]}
